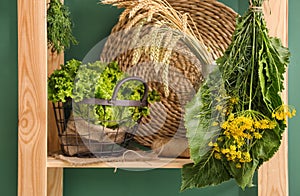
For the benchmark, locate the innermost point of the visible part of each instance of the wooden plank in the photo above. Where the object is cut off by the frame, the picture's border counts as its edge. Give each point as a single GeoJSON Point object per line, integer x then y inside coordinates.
{"type": "Point", "coordinates": [32, 61]}
{"type": "Point", "coordinates": [54, 175]}
{"type": "Point", "coordinates": [54, 60]}
{"type": "Point", "coordinates": [273, 175]}
{"type": "Point", "coordinates": [161, 163]}
{"type": "Point", "coordinates": [55, 182]}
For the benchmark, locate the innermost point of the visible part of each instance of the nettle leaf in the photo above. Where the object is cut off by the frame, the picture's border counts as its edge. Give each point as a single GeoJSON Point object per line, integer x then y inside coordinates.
{"type": "Point", "coordinates": [196, 129]}
{"type": "Point", "coordinates": [266, 147]}
{"type": "Point", "coordinates": [283, 53]}
{"type": "Point", "coordinates": [273, 59]}
{"type": "Point", "coordinates": [209, 171]}
{"type": "Point", "coordinates": [244, 175]}
{"type": "Point", "coordinates": [201, 113]}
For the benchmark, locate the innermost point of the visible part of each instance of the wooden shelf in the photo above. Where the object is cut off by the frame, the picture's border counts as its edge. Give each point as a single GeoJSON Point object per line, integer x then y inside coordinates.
{"type": "Point", "coordinates": [39, 175]}
{"type": "Point", "coordinates": [159, 163]}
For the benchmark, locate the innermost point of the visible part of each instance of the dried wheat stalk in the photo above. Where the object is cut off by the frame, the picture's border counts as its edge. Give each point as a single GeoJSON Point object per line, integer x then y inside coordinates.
{"type": "Point", "coordinates": [172, 27]}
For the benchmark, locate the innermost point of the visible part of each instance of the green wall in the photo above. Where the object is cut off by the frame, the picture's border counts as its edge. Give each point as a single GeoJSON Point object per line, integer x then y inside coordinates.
{"type": "Point", "coordinates": [90, 28]}
{"type": "Point", "coordinates": [8, 97]}
{"type": "Point", "coordinates": [294, 97]}
{"type": "Point", "coordinates": [92, 23]}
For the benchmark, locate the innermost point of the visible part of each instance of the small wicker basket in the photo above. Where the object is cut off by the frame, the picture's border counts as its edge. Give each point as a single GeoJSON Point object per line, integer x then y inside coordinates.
{"type": "Point", "coordinates": [215, 23]}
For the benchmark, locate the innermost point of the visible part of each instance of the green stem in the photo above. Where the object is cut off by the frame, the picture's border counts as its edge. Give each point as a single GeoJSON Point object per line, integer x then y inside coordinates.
{"type": "Point", "coordinates": [252, 61]}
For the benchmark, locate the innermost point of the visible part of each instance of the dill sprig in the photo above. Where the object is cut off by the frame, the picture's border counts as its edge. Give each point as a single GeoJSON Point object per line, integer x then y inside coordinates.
{"type": "Point", "coordinates": [59, 27]}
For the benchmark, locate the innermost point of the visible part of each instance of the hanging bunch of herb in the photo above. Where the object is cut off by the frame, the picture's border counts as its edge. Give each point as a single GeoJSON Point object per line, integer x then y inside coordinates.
{"type": "Point", "coordinates": [236, 120]}
{"type": "Point", "coordinates": [59, 27]}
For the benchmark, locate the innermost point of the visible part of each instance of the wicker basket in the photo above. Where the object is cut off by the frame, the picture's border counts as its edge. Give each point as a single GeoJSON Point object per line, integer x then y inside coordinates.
{"type": "Point", "coordinates": [215, 23]}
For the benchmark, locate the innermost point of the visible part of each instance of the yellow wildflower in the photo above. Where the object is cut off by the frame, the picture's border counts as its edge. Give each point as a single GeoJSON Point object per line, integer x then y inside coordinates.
{"type": "Point", "coordinates": [239, 154]}
{"type": "Point", "coordinates": [257, 135]}
{"type": "Point", "coordinates": [225, 125]}
{"type": "Point", "coordinates": [234, 100]}
{"type": "Point", "coordinates": [215, 124]}
{"type": "Point", "coordinates": [225, 150]}
{"type": "Point", "coordinates": [238, 165]}
{"type": "Point", "coordinates": [217, 155]}
{"type": "Point", "coordinates": [220, 139]}
{"type": "Point", "coordinates": [219, 108]}
{"type": "Point", "coordinates": [293, 112]}
{"type": "Point", "coordinates": [246, 157]}
{"type": "Point", "coordinates": [231, 117]}
{"type": "Point", "coordinates": [232, 148]}
{"type": "Point", "coordinates": [264, 124]}
{"type": "Point", "coordinates": [284, 110]}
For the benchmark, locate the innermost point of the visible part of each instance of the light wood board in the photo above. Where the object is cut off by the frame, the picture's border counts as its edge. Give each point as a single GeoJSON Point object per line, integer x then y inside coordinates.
{"type": "Point", "coordinates": [160, 163]}
{"type": "Point", "coordinates": [273, 175]}
{"type": "Point", "coordinates": [55, 182]}
{"type": "Point", "coordinates": [32, 82]}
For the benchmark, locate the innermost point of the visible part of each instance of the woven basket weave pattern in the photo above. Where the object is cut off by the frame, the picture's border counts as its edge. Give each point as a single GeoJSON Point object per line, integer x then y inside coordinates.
{"type": "Point", "coordinates": [215, 23]}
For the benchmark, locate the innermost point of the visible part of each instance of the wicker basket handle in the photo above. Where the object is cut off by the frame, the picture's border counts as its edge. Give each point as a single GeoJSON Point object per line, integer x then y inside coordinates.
{"type": "Point", "coordinates": [121, 82]}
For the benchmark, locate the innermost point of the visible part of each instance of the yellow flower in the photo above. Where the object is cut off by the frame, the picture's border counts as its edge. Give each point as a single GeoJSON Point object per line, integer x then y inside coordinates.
{"type": "Point", "coordinates": [232, 148]}
{"type": "Point", "coordinates": [239, 154]}
{"type": "Point", "coordinates": [215, 144]}
{"type": "Point", "coordinates": [246, 157]}
{"type": "Point", "coordinates": [225, 150]}
{"type": "Point", "coordinates": [238, 165]}
{"type": "Point", "coordinates": [215, 124]}
{"type": "Point", "coordinates": [217, 149]}
{"type": "Point", "coordinates": [220, 139]}
{"type": "Point", "coordinates": [273, 115]}
{"type": "Point", "coordinates": [217, 155]}
{"type": "Point", "coordinates": [219, 108]}
{"type": "Point", "coordinates": [257, 135]}
{"type": "Point", "coordinates": [231, 116]}
{"type": "Point", "coordinates": [293, 112]}
{"type": "Point", "coordinates": [257, 124]}
{"type": "Point", "coordinates": [284, 110]}
{"type": "Point", "coordinates": [234, 100]}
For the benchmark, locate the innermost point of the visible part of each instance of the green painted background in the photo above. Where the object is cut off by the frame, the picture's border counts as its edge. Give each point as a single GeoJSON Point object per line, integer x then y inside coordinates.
{"type": "Point", "coordinates": [93, 23]}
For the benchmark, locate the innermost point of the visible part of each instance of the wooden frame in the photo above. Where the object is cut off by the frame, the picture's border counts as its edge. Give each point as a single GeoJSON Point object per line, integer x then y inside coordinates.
{"type": "Point", "coordinates": [39, 175]}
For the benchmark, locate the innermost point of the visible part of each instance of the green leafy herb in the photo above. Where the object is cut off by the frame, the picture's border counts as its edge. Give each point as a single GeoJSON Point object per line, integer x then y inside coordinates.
{"type": "Point", "coordinates": [208, 171]}
{"type": "Point", "coordinates": [202, 112]}
{"type": "Point", "coordinates": [241, 124]}
{"type": "Point", "coordinates": [98, 80]}
{"type": "Point", "coordinates": [59, 27]}
{"type": "Point", "coordinates": [61, 81]}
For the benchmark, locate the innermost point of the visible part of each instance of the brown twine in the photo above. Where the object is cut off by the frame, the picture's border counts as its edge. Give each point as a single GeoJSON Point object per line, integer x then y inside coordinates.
{"type": "Point", "coordinates": [256, 8]}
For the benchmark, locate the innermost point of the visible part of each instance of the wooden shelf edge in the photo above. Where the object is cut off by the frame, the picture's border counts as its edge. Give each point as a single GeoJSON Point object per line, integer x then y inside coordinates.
{"type": "Point", "coordinates": [159, 163]}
